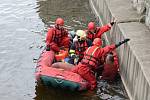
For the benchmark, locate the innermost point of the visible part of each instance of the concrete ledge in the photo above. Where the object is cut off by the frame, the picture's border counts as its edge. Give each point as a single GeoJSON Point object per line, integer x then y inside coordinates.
{"type": "Point", "coordinates": [122, 10]}
{"type": "Point", "coordinates": [134, 56]}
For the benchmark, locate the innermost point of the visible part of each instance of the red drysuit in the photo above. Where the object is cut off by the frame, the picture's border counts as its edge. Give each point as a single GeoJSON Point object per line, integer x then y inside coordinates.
{"type": "Point", "coordinates": [90, 61]}
{"type": "Point", "coordinates": [98, 32]}
{"type": "Point", "coordinates": [110, 70]}
{"type": "Point", "coordinates": [57, 38]}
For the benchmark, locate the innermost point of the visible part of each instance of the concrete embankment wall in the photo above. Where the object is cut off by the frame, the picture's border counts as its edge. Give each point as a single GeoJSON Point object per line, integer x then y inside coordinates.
{"type": "Point", "coordinates": [135, 55]}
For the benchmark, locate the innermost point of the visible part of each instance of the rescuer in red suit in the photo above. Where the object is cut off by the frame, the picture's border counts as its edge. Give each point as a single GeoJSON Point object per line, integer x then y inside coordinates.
{"type": "Point", "coordinates": [91, 59]}
{"type": "Point", "coordinates": [111, 66]}
{"type": "Point", "coordinates": [80, 44]}
{"type": "Point", "coordinates": [97, 32]}
{"type": "Point", "coordinates": [57, 36]}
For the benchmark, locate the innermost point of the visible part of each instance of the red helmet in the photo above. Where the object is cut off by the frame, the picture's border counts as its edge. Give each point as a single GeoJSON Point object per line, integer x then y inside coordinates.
{"type": "Point", "coordinates": [59, 21]}
{"type": "Point", "coordinates": [91, 26]}
{"type": "Point", "coordinates": [97, 42]}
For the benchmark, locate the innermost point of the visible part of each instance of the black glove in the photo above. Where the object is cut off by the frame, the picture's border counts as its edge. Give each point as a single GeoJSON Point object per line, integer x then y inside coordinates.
{"type": "Point", "coordinates": [112, 23]}
{"type": "Point", "coordinates": [48, 48]}
{"type": "Point", "coordinates": [122, 42]}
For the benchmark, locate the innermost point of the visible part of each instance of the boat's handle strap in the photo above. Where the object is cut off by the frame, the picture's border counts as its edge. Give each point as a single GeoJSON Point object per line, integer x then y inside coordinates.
{"type": "Point", "coordinates": [59, 81]}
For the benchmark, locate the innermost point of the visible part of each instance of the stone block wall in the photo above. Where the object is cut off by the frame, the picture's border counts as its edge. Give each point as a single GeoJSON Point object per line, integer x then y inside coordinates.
{"type": "Point", "coordinates": [134, 57]}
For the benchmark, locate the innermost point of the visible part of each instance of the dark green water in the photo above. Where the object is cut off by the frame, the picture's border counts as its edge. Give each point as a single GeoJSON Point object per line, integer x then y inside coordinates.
{"type": "Point", "coordinates": [23, 25]}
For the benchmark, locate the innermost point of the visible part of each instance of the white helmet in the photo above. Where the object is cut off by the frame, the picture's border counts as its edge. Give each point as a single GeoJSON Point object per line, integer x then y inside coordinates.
{"type": "Point", "coordinates": [81, 35]}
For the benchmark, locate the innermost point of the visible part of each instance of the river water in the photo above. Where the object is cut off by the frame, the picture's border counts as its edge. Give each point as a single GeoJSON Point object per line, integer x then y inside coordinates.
{"type": "Point", "coordinates": [23, 25]}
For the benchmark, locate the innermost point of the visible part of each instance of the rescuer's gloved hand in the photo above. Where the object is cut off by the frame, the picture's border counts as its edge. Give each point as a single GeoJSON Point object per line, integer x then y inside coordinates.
{"type": "Point", "coordinates": [122, 42]}
{"type": "Point", "coordinates": [112, 23]}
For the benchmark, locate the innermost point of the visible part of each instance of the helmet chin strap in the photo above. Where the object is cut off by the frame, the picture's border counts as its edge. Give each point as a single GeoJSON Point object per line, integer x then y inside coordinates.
{"type": "Point", "coordinates": [57, 26]}
{"type": "Point", "coordinates": [92, 32]}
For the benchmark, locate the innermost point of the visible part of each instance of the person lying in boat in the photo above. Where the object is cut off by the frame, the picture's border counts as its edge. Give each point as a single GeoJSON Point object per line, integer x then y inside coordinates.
{"type": "Point", "coordinates": [111, 66]}
{"type": "Point", "coordinates": [91, 59]}
{"type": "Point", "coordinates": [57, 36]}
{"type": "Point", "coordinates": [80, 44]}
{"type": "Point", "coordinates": [97, 32]}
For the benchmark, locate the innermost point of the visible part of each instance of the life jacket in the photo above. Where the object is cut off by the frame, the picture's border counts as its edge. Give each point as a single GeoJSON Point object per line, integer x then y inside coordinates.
{"type": "Point", "coordinates": [89, 59]}
{"type": "Point", "coordinates": [80, 48]}
{"type": "Point", "coordinates": [58, 35]}
{"type": "Point", "coordinates": [90, 35]}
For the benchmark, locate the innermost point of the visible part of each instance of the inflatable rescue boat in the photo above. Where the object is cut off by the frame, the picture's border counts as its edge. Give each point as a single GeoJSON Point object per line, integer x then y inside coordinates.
{"type": "Point", "coordinates": [55, 76]}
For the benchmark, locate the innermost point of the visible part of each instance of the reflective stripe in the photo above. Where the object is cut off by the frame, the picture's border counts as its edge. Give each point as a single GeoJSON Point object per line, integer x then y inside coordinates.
{"type": "Point", "coordinates": [95, 50]}
{"type": "Point", "coordinates": [71, 51]}
{"type": "Point", "coordinates": [87, 50]}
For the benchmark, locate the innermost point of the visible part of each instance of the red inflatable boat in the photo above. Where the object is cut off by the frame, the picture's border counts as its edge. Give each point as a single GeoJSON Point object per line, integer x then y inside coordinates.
{"type": "Point", "coordinates": [58, 77]}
